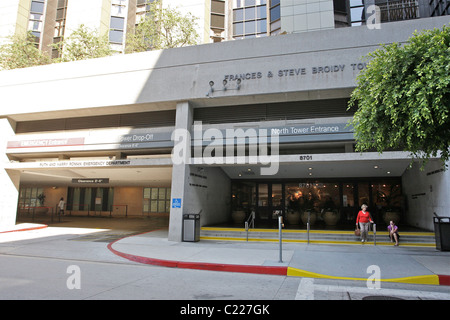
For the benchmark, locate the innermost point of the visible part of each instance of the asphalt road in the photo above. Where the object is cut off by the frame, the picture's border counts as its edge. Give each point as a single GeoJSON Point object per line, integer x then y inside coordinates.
{"type": "Point", "coordinates": [68, 263]}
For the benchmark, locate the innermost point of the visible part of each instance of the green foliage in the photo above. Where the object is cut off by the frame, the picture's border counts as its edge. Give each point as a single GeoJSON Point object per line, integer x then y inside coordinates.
{"type": "Point", "coordinates": [83, 44]}
{"type": "Point", "coordinates": [21, 52]}
{"type": "Point", "coordinates": [163, 28]}
{"type": "Point", "coordinates": [403, 97]}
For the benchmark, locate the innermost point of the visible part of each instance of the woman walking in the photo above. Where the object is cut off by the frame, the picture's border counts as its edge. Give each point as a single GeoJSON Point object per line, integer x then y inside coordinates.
{"type": "Point", "coordinates": [363, 219]}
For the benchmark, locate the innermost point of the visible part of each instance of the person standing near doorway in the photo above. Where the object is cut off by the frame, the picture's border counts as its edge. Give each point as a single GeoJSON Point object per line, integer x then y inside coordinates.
{"type": "Point", "coordinates": [363, 219]}
{"type": "Point", "coordinates": [61, 206]}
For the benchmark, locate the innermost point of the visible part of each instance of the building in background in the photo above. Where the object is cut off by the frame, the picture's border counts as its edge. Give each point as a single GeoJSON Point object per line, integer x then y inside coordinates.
{"type": "Point", "coordinates": [99, 132]}
{"type": "Point", "coordinates": [218, 20]}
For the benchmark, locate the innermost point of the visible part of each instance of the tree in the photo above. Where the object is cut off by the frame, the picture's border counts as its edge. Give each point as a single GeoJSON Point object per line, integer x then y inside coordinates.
{"type": "Point", "coordinates": [162, 28]}
{"type": "Point", "coordinates": [22, 52]}
{"type": "Point", "coordinates": [82, 44]}
{"type": "Point", "coordinates": [403, 97]}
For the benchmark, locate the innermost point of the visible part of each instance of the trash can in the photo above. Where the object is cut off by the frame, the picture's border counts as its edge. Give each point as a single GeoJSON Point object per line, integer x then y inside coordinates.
{"type": "Point", "coordinates": [191, 227]}
{"type": "Point", "coordinates": [442, 233]}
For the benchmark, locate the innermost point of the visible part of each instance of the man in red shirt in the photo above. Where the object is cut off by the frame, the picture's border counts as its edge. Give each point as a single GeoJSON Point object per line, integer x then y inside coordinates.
{"type": "Point", "coordinates": [363, 219]}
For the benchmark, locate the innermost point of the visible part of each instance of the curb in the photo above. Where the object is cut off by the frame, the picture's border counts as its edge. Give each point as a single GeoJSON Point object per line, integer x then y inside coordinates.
{"type": "Point", "coordinates": [272, 270]}
{"type": "Point", "coordinates": [26, 229]}
{"type": "Point", "coordinates": [269, 270]}
{"type": "Point", "coordinates": [425, 279]}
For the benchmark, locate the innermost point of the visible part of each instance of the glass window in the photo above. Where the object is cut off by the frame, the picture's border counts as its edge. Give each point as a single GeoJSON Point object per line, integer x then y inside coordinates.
{"type": "Point", "coordinates": [249, 2]}
{"type": "Point", "coordinates": [250, 27]}
{"type": "Point", "coordinates": [243, 196]}
{"type": "Point", "coordinates": [356, 3]}
{"type": "Point", "coordinates": [386, 194]}
{"type": "Point", "coordinates": [156, 200]}
{"type": "Point", "coordinates": [90, 199]}
{"type": "Point", "coordinates": [35, 25]}
{"type": "Point", "coordinates": [274, 2]}
{"type": "Point", "coordinates": [35, 16]}
{"type": "Point", "coordinates": [357, 13]}
{"type": "Point", "coordinates": [348, 197]}
{"type": "Point", "coordinates": [37, 35]}
{"type": "Point", "coordinates": [363, 194]}
{"type": "Point", "coordinates": [116, 36]}
{"type": "Point", "coordinates": [238, 28]}
{"type": "Point", "coordinates": [328, 194]}
{"type": "Point", "coordinates": [117, 23]}
{"type": "Point", "coordinates": [261, 12]}
{"type": "Point", "coordinates": [263, 195]}
{"type": "Point", "coordinates": [250, 13]}
{"type": "Point", "coordinates": [275, 25]}
{"type": "Point", "coordinates": [238, 15]}
{"type": "Point", "coordinates": [276, 194]}
{"type": "Point", "coordinates": [275, 13]}
{"type": "Point", "coordinates": [217, 6]}
{"type": "Point", "coordinates": [261, 26]}
{"type": "Point", "coordinates": [28, 197]}
{"type": "Point", "coordinates": [161, 206]}
{"type": "Point", "coordinates": [60, 14]}
{"type": "Point", "coordinates": [37, 7]}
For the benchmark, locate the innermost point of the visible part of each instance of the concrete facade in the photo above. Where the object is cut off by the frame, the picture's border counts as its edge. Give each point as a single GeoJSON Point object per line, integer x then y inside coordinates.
{"type": "Point", "coordinates": [307, 67]}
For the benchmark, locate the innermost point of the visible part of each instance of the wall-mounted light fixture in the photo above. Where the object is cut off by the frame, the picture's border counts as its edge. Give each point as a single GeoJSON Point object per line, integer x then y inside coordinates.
{"type": "Point", "coordinates": [224, 88]}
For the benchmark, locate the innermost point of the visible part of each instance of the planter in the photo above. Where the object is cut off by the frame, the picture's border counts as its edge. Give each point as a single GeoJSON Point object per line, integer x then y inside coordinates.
{"type": "Point", "coordinates": [238, 216]}
{"type": "Point", "coordinates": [293, 217]}
{"type": "Point", "coordinates": [312, 219]}
{"type": "Point", "coordinates": [391, 216]}
{"type": "Point", "coordinates": [331, 218]}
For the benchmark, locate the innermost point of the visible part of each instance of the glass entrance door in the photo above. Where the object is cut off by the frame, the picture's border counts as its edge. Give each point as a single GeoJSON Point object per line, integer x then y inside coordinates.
{"type": "Point", "coordinates": [277, 200]}
{"type": "Point", "coordinates": [263, 202]}
{"type": "Point", "coordinates": [270, 202]}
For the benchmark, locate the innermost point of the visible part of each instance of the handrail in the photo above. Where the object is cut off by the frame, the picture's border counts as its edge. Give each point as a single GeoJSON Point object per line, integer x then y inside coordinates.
{"type": "Point", "coordinates": [250, 220]}
{"type": "Point", "coordinates": [374, 234]}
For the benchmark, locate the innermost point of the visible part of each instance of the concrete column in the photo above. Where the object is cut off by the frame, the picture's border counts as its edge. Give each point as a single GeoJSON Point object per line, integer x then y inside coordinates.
{"type": "Point", "coordinates": [426, 192]}
{"type": "Point", "coordinates": [9, 181]}
{"type": "Point", "coordinates": [180, 169]}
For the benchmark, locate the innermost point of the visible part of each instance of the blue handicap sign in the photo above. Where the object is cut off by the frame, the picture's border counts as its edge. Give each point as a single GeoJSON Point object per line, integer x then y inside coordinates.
{"type": "Point", "coordinates": [176, 203]}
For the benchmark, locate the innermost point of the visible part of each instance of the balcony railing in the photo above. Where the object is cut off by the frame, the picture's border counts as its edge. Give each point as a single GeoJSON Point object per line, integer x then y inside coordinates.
{"type": "Point", "coordinates": [399, 10]}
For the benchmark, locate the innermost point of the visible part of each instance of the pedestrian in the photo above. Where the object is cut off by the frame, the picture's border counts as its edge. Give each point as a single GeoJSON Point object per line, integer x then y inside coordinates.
{"type": "Point", "coordinates": [363, 219]}
{"type": "Point", "coordinates": [393, 232]}
{"type": "Point", "coordinates": [61, 206]}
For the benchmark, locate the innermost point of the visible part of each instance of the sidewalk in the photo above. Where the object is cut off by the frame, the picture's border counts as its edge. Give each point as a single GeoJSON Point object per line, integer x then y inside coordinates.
{"type": "Point", "coordinates": [345, 262]}
{"type": "Point", "coordinates": [416, 265]}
